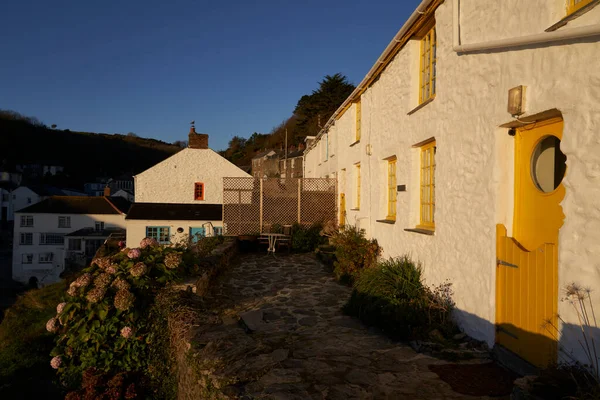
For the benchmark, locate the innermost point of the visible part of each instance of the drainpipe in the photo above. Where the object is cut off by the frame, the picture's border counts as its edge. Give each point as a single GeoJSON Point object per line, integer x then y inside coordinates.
{"type": "Point", "coordinates": [538, 38]}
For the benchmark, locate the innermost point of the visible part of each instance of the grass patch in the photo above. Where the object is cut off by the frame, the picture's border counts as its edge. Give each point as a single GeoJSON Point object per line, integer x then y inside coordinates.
{"type": "Point", "coordinates": [25, 344]}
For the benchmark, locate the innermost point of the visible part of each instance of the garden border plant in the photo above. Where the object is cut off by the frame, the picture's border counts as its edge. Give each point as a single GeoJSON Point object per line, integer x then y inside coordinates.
{"type": "Point", "coordinates": [109, 328]}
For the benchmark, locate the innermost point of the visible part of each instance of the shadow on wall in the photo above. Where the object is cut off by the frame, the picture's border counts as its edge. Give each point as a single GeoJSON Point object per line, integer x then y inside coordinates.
{"type": "Point", "coordinates": [565, 343]}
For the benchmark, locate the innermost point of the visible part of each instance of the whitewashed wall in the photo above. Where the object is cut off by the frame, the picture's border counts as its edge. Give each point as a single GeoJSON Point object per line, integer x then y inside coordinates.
{"type": "Point", "coordinates": [48, 223]}
{"type": "Point", "coordinates": [172, 180]}
{"type": "Point", "coordinates": [136, 229]}
{"type": "Point", "coordinates": [474, 174]}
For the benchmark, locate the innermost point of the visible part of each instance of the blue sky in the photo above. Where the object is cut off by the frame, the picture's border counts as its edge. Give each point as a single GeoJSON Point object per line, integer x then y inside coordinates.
{"type": "Point", "coordinates": [150, 67]}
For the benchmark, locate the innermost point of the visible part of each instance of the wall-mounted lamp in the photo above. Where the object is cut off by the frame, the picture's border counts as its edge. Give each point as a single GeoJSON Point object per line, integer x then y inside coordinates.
{"type": "Point", "coordinates": [516, 101]}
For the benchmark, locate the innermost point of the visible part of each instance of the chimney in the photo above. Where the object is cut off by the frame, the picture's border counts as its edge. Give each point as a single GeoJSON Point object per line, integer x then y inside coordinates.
{"type": "Point", "coordinates": [107, 191]}
{"type": "Point", "coordinates": [197, 140]}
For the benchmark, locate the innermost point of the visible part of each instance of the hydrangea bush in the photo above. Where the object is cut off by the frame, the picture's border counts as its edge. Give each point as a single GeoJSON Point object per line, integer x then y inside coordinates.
{"type": "Point", "coordinates": [103, 324]}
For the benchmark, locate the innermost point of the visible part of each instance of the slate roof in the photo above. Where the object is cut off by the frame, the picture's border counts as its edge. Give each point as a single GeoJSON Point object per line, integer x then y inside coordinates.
{"type": "Point", "coordinates": [92, 232]}
{"type": "Point", "coordinates": [78, 205]}
{"type": "Point", "coordinates": [265, 154]}
{"type": "Point", "coordinates": [178, 212]}
{"type": "Point", "coordinates": [294, 154]}
{"type": "Point", "coordinates": [45, 190]}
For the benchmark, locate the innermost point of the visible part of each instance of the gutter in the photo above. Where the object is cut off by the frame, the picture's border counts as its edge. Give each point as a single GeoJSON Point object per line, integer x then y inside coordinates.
{"type": "Point", "coordinates": [362, 85]}
{"type": "Point", "coordinates": [539, 38]}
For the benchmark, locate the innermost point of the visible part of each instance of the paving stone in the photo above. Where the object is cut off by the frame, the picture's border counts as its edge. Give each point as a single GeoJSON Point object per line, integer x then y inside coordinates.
{"type": "Point", "coordinates": [302, 346]}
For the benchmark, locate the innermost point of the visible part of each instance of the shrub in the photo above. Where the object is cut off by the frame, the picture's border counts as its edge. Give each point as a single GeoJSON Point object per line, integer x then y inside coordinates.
{"type": "Point", "coordinates": [306, 239]}
{"type": "Point", "coordinates": [392, 296]}
{"type": "Point", "coordinates": [103, 325]}
{"type": "Point", "coordinates": [354, 253]}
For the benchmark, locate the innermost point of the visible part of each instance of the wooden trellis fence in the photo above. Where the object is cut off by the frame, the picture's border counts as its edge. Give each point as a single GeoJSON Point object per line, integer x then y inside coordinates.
{"type": "Point", "coordinates": [251, 204]}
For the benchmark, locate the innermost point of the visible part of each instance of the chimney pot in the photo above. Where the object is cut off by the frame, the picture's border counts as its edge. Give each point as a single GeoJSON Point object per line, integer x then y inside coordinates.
{"type": "Point", "coordinates": [106, 191]}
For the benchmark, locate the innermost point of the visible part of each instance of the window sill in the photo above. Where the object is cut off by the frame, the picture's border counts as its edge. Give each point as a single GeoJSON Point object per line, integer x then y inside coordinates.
{"type": "Point", "coordinates": [423, 104]}
{"type": "Point", "coordinates": [573, 15]}
{"type": "Point", "coordinates": [355, 143]}
{"type": "Point", "coordinates": [386, 221]}
{"type": "Point", "coordinates": [355, 209]}
{"type": "Point", "coordinates": [421, 231]}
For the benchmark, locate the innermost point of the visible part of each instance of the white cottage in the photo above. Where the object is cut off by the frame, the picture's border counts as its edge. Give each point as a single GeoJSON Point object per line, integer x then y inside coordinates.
{"type": "Point", "coordinates": [430, 162]}
{"type": "Point", "coordinates": [182, 196]}
{"type": "Point", "coordinates": [62, 229]}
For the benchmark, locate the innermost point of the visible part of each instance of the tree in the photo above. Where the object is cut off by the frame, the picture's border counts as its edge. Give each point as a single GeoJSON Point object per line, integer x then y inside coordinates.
{"type": "Point", "coordinates": [181, 143]}
{"type": "Point", "coordinates": [315, 109]}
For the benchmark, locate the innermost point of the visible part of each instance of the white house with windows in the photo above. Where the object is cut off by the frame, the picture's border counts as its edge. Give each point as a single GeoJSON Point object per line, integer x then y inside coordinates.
{"type": "Point", "coordinates": [62, 229]}
{"type": "Point", "coordinates": [454, 149]}
{"type": "Point", "coordinates": [181, 197]}
{"type": "Point", "coordinates": [24, 196]}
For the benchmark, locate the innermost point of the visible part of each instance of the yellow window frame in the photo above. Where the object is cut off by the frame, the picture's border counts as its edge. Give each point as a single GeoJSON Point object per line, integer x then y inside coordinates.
{"type": "Point", "coordinates": [357, 186]}
{"type": "Point", "coordinates": [574, 5]}
{"type": "Point", "coordinates": [427, 70]}
{"type": "Point", "coordinates": [358, 120]}
{"type": "Point", "coordinates": [427, 187]}
{"type": "Point", "coordinates": [391, 214]}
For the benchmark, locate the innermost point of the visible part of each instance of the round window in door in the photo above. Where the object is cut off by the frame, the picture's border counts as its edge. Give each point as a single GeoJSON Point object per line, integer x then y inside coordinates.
{"type": "Point", "coordinates": [548, 164]}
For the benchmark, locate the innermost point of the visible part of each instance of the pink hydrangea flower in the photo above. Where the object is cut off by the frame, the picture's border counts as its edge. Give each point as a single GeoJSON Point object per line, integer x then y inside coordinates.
{"type": "Point", "coordinates": [139, 269]}
{"type": "Point", "coordinates": [84, 280]}
{"type": "Point", "coordinates": [121, 243]}
{"type": "Point", "coordinates": [148, 242]}
{"type": "Point", "coordinates": [124, 299]}
{"type": "Point", "coordinates": [52, 325]}
{"type": "Point", "coordinates": [127, 332]}
{"type": "Point", "coordinates": [112, 269]}
{"type": "Point", "coordinates": [56, 362]}
{"type": "Point", "coordinates": [60, 307]}
{"type": "Point", "coordinates": [134, 253]}
{"type": "Point", "coordinates": [172, 260]}
{"type": "Point", "coordinates": [72, 291]}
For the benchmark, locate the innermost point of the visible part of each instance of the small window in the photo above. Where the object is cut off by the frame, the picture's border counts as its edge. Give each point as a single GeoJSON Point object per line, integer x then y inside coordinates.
{"type": "Point", "coordinates": [99, 226]}
{"type": "Point", "coordinates": [64, 222]}
{"type": "Point", "coordinates": [27, 259]}
{"type": "Point", "coordinates": [52, 239]}
{"type": "Point", "coordinates": [26, 239]}
{"type": "Point", "coordinates": [218, 230]}
{"type": "Point", "coordinates": [358, 120]}
{"type": "Point", "coordinates": [427, 186]}
{"type": "Point", "coordinates": [574, 5]}
{"type": "Point", "coordinates": [46, 258]}
{"type": "Point", "coordinates": [26, 221]}
{"type": "Point", "coordinates": [391, 214]}
{"type": "Point", "coordinates": [160, 233]}
{"type": "Point", "coordinates": [74, 245]}
{"type": "Point", "coordinates": [428, 66]}
{"type": "Point", "coordinates": [199, 191]}
{"type": "Point", "coordinates": [357, 186]}
{"type": "Point", "coordinates": [29, 200]}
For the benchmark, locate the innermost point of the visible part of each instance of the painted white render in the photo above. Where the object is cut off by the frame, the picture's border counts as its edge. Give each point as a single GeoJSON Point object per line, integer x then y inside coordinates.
{"type": "Point", "coordinates": [474, 160]}
{"type": "Point", "coordinates": [48, 273]}
{"type": "Point", "coordinates": [172, 180]}
{"type": "Point", "coordinates": [136, 229]}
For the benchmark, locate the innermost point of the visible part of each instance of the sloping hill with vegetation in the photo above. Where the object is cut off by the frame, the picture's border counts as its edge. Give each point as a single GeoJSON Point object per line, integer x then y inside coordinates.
{"type": "Point", "coordinates": [85, 155]}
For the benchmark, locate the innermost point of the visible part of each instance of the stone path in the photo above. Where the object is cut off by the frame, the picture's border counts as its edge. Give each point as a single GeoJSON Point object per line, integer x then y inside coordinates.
{"type": "Point", "coordinates": [297, 344]}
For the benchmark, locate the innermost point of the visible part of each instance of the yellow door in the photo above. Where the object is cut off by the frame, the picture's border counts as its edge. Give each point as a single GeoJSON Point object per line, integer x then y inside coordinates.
{"type": "Point", "coordinates": [342, 210]}
{"type": "Point", "coordinates": [527, 262]}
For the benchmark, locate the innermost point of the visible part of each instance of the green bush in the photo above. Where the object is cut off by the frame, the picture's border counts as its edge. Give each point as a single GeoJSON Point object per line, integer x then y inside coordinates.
{"type": "Point", "coordinates": [306, 239]}
{"type": "Point", "coordinates": [104, 325]}
{"type": "Point", "coordinates": [392, 296]}
{"type": "Point", "coordinates": [354, 253]}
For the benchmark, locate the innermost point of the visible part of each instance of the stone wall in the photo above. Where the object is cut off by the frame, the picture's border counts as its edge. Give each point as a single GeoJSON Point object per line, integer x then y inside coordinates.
{"type": "Point", "coordinates": [189, 384]}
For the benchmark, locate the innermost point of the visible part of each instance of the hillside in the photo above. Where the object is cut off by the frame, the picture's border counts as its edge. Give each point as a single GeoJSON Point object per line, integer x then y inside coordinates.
{"type": "Point", "coordinates": [84, 155]}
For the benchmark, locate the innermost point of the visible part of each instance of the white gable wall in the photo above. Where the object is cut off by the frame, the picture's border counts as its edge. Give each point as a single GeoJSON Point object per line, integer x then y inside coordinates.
{"type": "Point", "coordinates": [474, 173]}
{"type": "Point", "coordinates": [172, 181]}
